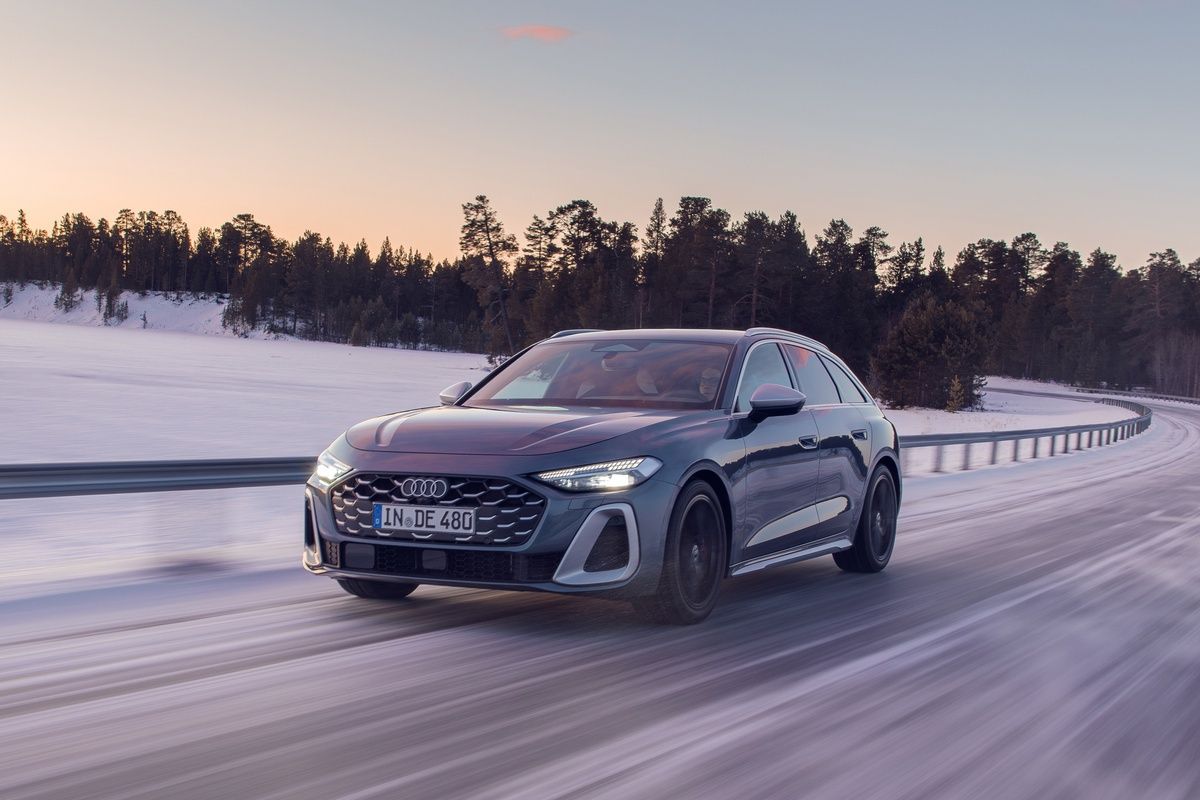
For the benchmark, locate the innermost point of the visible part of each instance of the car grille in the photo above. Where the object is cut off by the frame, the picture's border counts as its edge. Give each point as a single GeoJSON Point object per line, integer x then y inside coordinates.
{"type": "Point", "coordinates": [507, 512]}
{"type": "Point", "coordinates": [460, 565]}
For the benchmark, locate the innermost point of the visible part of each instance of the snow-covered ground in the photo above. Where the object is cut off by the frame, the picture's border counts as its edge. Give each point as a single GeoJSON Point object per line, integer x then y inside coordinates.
{"type": "Point", "coordinates": [104, 394]}
{"type": "Point", "coordinates": [152, 311]}
{"type": "Point", "coordinates": [1006, 412]}
{"type": "Point", "coordinates": [76, 393]}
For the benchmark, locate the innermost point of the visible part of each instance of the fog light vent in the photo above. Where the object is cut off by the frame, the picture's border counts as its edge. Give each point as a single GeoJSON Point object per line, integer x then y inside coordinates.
{"type": "Point", "coordinates": [611, 550]}
{"type": "Point", "coordinates": [330, 554]}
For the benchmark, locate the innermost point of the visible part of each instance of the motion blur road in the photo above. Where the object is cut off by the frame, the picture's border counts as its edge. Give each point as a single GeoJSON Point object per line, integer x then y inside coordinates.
{"type": "Point", "coordinates": [1036, 635]}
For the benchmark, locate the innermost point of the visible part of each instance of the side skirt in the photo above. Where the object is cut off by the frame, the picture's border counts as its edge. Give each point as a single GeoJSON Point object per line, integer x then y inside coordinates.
{"type": "Point", "coordinates": [800, 553]}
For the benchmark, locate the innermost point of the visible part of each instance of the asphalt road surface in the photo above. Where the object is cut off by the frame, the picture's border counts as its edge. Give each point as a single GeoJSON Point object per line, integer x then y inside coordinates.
{"type": "Point", "coordinates": [1037, 635]}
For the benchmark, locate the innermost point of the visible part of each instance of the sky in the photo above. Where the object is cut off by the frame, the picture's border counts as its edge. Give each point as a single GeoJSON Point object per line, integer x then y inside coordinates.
{"type": "Point", "coordinates": [1079, 121]}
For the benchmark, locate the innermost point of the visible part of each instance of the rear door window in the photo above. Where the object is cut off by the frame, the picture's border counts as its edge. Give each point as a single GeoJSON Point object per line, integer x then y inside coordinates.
{"type": "Point", "coordinates": [811, 375]}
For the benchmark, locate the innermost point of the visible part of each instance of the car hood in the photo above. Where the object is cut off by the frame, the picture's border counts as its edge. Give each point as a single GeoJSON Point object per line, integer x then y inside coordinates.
{"type": "Point", "coordinates": [457, 430]}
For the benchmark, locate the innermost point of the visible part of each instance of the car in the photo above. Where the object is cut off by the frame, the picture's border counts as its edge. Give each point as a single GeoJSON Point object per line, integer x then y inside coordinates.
{"type": "Point", "coordinates": [644, 465]}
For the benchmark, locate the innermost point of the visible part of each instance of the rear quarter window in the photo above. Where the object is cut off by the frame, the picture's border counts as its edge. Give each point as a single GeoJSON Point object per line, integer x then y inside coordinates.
{"type": "Point", "coordinates": [846, 387]}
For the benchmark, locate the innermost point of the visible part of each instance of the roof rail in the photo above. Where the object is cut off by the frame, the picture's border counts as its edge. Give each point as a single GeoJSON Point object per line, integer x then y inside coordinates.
{"type": "Point", "coordinates": [573, 331]}
{"type": "Point", "coordinates": [760, 331]}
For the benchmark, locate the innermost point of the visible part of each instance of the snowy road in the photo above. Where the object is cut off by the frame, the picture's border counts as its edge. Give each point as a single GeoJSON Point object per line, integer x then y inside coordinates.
{"type": "Point", "coordinates": [1037, 635]}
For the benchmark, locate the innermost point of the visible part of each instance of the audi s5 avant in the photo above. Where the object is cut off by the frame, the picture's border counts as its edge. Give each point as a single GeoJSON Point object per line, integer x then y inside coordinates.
{"type": "Point", "coordinates": [643, 464]}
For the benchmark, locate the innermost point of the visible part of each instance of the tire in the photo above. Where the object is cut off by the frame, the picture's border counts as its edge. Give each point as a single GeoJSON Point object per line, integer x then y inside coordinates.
{"type": "Point", "coordinates": [875, 538]}
{"type": "Point", "coordinates": [377, 590]}
{"type": "Point", "coordinates": [694, 564]}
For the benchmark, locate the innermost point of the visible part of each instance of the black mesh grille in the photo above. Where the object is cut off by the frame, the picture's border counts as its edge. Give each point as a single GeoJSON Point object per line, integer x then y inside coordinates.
{"type": "Point", "coordinates": [507, 513]}
{"type": "Point", "coordinates": [330, 553]}
{"type": "Point", "coordinates": [465, 565]}
{"type": "Point", "coordinates": [611, 550]}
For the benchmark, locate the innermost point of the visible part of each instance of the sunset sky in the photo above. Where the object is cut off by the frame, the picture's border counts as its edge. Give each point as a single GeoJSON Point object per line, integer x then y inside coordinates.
{"type": "Point", "coordinates": [1079, 121]}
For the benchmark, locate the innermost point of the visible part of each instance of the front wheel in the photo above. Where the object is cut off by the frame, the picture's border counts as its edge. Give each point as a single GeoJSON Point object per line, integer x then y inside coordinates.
{"type": "Point", "coordinates": [695, 560]}
{"type": "Point", "coordinates": [876, 535]}
{"type": "Point", "coordinates": [377, 590]}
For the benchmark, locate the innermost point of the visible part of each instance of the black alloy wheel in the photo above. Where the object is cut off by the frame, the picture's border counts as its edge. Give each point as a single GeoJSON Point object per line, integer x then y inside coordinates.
{"type": "Point", "coordinates": [875, 538]}
{"type": "Point", "coordinates": [695, 560]}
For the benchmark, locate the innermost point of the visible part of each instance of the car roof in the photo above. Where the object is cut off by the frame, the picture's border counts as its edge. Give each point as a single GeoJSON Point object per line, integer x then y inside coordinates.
{"type": "Point", "coordinates": [712, 335]}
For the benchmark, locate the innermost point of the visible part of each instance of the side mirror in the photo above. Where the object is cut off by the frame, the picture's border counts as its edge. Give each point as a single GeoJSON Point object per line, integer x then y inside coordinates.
{"type": "Point", "coordinates": [773, 400]}
{"type": "Point", "coordinates": [453, 393]}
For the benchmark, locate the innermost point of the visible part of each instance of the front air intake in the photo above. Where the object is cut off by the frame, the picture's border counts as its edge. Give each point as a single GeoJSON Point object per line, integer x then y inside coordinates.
{"type": "Point", "coordinates": [611, 550]}
{"type": "Point", "coordinates": [447, 564]}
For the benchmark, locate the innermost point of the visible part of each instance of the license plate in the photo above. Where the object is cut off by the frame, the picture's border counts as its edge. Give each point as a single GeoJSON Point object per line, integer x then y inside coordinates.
{"type": "Point", "coordinates": [424, 519]}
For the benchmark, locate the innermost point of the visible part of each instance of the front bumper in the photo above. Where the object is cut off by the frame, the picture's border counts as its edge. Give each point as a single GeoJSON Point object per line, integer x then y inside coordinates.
{"type": "Point", "coordinates": [554, 559]}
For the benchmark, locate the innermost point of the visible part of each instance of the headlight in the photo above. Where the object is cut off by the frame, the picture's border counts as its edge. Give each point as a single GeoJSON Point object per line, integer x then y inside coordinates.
{"type": "Point", "coordinates": [601, 477]}
{"type": "Point", "coordinates": [328, 470]}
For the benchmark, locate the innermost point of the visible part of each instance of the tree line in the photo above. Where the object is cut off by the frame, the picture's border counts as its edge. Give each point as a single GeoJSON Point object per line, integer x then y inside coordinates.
{"type": "Point", "coordinates": [920, 329]}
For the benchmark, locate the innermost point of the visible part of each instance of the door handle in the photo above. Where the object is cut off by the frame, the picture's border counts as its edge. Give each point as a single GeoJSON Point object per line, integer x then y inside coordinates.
{"type": "Point", "coordinates": [810, 442]}
{"type": "Point", "coordinates": [860, 434]}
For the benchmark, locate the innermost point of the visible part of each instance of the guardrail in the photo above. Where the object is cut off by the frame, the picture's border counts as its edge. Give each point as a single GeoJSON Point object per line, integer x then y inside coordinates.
{"type": "Point", "coordinates": [1098, 435]}
{"type": "Point", "coordinates": [1146, 395]}
{"type": "Point", "coordinates": [118, 477]}
{"type": "Point", "coordinates": [19, 481]}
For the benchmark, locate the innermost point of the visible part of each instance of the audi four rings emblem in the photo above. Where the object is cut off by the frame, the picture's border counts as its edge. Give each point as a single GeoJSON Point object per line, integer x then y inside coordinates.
{"type": "Point", "coordinates": [424, 487]}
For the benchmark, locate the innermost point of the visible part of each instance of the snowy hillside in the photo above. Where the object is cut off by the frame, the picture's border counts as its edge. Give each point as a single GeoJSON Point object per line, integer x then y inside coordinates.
{"type": "Point", "coordinates": [155, 310]}
{"type": "Point", "coordinates": [84, 394]}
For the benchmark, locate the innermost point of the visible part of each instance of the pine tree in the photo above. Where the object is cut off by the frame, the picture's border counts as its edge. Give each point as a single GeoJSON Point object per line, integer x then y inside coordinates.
{"type": "Point", "coordinates": [68, 296]}
{"type": "Point", "coordinates": [650, 263]}
{"type": "Point", "coordinates": [933, 357]}
{"type": "Point", "coordinates": [753, 236]}
{"type": "Point", "coordinates": [957, 398]}
{"type": "Point", "coordinates": [484, 240]}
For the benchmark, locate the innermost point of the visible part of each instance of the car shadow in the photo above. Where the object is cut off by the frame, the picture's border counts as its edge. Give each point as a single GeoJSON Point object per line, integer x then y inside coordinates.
{"type": "Point", "coordinates": [812, 593]}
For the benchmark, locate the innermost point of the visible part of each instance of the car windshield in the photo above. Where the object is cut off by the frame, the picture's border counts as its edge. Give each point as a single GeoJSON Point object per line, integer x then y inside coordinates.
{"type": "Point", "coordinates": [617, 373]}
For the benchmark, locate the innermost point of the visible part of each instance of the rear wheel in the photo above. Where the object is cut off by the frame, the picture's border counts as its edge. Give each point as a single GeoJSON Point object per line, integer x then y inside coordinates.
{"type": "Point", "coordinates": [695, 560]}
{"type": "Point", "coordinates": [377, 590]}
{"type": "Point", "coordinates": [876, 535]}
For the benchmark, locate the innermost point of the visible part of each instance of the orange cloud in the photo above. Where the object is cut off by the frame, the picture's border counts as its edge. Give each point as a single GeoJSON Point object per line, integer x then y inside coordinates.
{"type": "Point", "coordinates": [542, 33]}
